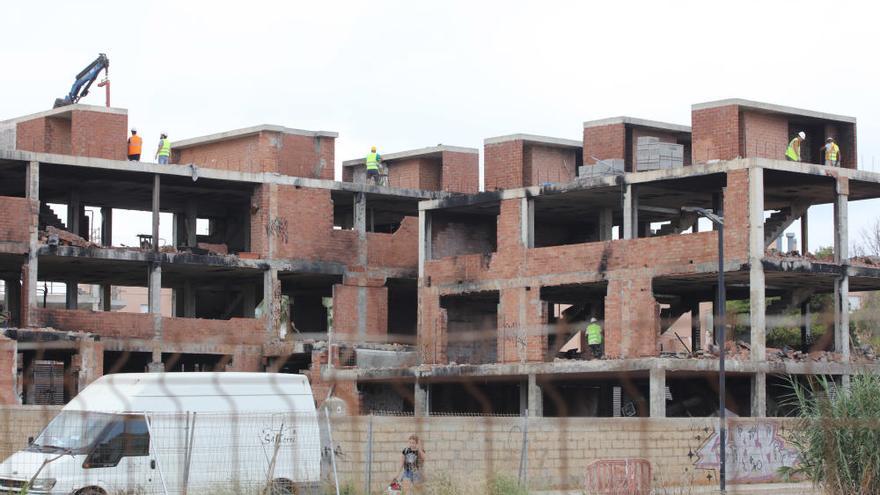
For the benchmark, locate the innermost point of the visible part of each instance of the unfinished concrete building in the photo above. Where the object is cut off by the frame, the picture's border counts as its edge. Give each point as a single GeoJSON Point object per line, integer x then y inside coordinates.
{"type": "Point", "coordinates": [426, 296]}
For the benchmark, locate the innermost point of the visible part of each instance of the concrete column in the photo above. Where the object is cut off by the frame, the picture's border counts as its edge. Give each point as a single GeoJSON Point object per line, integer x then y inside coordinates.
{"type": "Point", "coordinates": [106, 226]}
{"type": "Point", "coordinates": [189, 300]}
{"type": "Point", "coordinates": [759, 395]}
{"type": "Point", "coordinates": [658, 392]}
{"type": "Point", "coordinates": [156, 187]}
{"type": "Point", "coordinates": [806, 325]}
{"type": "Point", "coordinates": [71, 295]}
{"type": "Point", "coordinates": [841, 256]}
{"type": "Point", "coordinates": [75, 211]}
{"type": "Point", "coordinates": [249, 300]}
{"type": "Point", "coordinates": [155, 307]}
{"type": "Point", "coordinates": [190, 221]}
{"type": "Point", "coordinates": [360, 226]}
{"type": "Point", "coordinates": [425, 253]}
{"type": "Point", "coordinates": [31, 266]}
{"type": "Point", "coordinates": [527, 224]}
{"type": "Point", "coordinates": [272, 302]}
{"type": "Point", "coordinates": [757, 288]}
{"type": "Point", "coordinates": [630, 212]}
{"type": "Point", "coordinates": [606, 224]}
{"type": "Point", "coordinates": [695, 326]}
{"type": "Point", "coordinates": [805, 232]}
{"type": "Point", "coordinates": [91, 363]}
{"type": "Point", "coordinates": [535, 398]}
{"type": "Point", "coordinates": [106, 297]}
{"type": "Point", "coordinates": [420, 401]}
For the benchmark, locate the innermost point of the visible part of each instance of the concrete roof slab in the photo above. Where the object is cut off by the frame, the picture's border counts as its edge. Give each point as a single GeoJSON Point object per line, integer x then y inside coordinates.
{"type": "Point", "coordinates": [248, 131]}
{"type": "Point", "coordinates": [416, 153]}
{"type": "Point", "coordinates": [772, 108]}
{"type": "Point", "coordinates": [66, 111]}
{"type": "Point", "coordinates": [651, 124]}
{"type": "Point", "coordinates": [536, 139]}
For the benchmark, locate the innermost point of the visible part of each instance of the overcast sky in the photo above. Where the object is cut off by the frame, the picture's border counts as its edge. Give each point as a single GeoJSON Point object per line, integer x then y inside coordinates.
{"type": "Point", "coordinates": [408, 74]}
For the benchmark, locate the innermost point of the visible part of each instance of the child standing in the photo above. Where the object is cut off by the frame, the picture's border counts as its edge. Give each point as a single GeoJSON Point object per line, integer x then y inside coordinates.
{"type": "Point", "coordinates": [412, 462]}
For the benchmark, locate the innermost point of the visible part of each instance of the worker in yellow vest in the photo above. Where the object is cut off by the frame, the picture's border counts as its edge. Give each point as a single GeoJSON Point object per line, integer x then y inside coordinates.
{"type": "Point", "coordinates": [793, 153]}
{"type": "Point", "coordinates": [594, 338]}
{"type": "Point", "coordinates": [135, 143]}
{"type": "Point", "coordinates": [372, 162]}
{"type": "Point", "coordinates": [163, 153]}
{"type": "Point", "coordinates": [832, 153]}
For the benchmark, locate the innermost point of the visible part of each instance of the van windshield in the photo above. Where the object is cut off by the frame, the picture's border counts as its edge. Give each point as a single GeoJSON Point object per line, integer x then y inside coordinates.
{"type": "Point", "coordinates": [75, 431]}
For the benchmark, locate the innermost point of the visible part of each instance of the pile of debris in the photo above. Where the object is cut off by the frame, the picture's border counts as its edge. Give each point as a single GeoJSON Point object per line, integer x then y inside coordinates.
{"type": "Point", "coordinates": [54, 236]}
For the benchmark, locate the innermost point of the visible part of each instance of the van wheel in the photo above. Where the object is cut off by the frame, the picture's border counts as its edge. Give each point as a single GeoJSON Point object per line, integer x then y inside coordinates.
{"type": "Point", "coordinates": [91, 490]}
{"type": "Point", "coordinates": [282, 487]}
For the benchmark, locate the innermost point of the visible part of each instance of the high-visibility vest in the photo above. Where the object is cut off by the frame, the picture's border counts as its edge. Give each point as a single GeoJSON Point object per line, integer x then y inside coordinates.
{"type": "Point", "coordinates": [373, 161]}
{"type": "Point", "coordinates": [594, 334]}
{"type": "Point", "coordinates": [165, 149]}
{"type": "Point", "coordinates": [832, 153]}
{"type": "Point", "coordinates": [793, 153]}
{"type": "Point", "coordinates": [134, 145]}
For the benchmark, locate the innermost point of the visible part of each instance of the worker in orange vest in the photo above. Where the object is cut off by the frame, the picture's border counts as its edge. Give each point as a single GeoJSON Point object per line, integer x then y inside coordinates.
{"type": "Point", "coordinates": [134, 146]}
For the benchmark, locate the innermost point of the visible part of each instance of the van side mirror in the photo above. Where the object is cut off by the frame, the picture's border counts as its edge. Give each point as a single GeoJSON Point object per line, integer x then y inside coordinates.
{"type": "Point", "coordinates": [152, 463]}
{"type": "Point", "coordinates": [30, 440]}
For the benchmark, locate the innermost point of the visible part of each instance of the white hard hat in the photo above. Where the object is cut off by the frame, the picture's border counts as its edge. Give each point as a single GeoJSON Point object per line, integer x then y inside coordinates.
{"type": "Point", "coordinates": [134, 129]}
{"type": "Point", "coordinates": [802, 135]}
{"type": "Point", "coordinates": [592, 320]}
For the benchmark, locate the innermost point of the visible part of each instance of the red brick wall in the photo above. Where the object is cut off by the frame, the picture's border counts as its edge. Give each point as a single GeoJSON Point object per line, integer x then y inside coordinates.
{"type": "Point", "coordinates": [432, 338]}
{"type": "Point", "coordinates": [604, 142]}
{"type": "Point", "coordinates": [461, 172]}
{"type": "Point", "coordinates": [549, 164]}
{"type": "Point", "coordinates": [245, 154]}
{"type": "Point", "coordinates": [286, 154]}
{"type": "Point", "coordinates": [17, 215]}
{"type": "Point", "coordinates": [715, 133]}
{"type": "Point", "coordinates": [105, 324]}
{"type": "Point", "coordinates": [400, 249]}
{"type": "Point", "coordinates": [8, 372]}
{"type": "Point", "coordinates": [521, 319]}
{"type": "Point", "coordinates": [764, 135]}
{"type": "Point", "coordinates": [632, 318]}
{"type": "Point", "coordinates": [299, 156]}
{"type": "Point", "coordinates": [415, 173]}
{"type": "Point", "coordinates": [30, 135]}
{"type": "Point", "coordinates": [457, 238]}
{"type": "Point", "coordinates": [86, 133]}
{"type": "Point", "coordinates": [99, 134]}
{"type": "Point", "coordinates": [346, 315]}
{"type": "Point", "coordinates": [234, 331]}
{"type": "Point", "coordinates": [503, 165]}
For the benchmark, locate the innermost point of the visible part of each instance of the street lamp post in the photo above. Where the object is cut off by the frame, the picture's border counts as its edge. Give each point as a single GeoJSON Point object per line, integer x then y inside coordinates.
{"type": "Point", "coordinates": [719, 331]}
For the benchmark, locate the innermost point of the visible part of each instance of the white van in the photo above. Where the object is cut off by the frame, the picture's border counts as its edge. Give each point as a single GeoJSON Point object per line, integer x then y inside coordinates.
{"type": "Point", "coordinates": [144, 433]}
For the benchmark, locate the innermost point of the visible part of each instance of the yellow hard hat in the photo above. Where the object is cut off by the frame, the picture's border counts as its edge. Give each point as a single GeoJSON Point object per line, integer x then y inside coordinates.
{"type": "Point", "coordinates": [373, 148]}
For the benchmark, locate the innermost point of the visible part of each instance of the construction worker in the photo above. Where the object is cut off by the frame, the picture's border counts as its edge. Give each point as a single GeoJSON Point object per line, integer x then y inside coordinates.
{"type": "Point", "coordinates": [793, 153]}
{"type": "Point", "coordinates": [163, 153]}
{"type": "Point", "coordinates": [832, 153]}
{"type": "Point", "coordinates": [594, 338]}
{"type": "Point", "coordinates": [135, 143]}
{"type": "Point", "coordinates": [373, 161]}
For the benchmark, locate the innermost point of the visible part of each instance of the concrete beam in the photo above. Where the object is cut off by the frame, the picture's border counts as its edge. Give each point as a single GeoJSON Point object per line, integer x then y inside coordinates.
{"type": "Point", "coordinates": [757, 283]}
{"type": "Point", "coordinates": [759, 395]}
{"type": "Point", "coordinates": [657, 384]}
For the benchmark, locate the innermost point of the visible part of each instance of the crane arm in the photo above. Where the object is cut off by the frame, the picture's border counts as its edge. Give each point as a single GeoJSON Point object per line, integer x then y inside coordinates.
{"type": "Point", "coordinates": [84, 81]}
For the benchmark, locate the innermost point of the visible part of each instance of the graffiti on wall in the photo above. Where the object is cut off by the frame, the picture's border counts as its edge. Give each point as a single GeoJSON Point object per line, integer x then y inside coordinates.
{"type": "Point", "coordinates": [755, 452]}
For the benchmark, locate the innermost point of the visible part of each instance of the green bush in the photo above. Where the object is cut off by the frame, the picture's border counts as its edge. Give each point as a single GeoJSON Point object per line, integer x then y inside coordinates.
{"type": "Point", "coordinates": [506, 485]}
{"type": "Point", "coordinates": [839, 434]}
